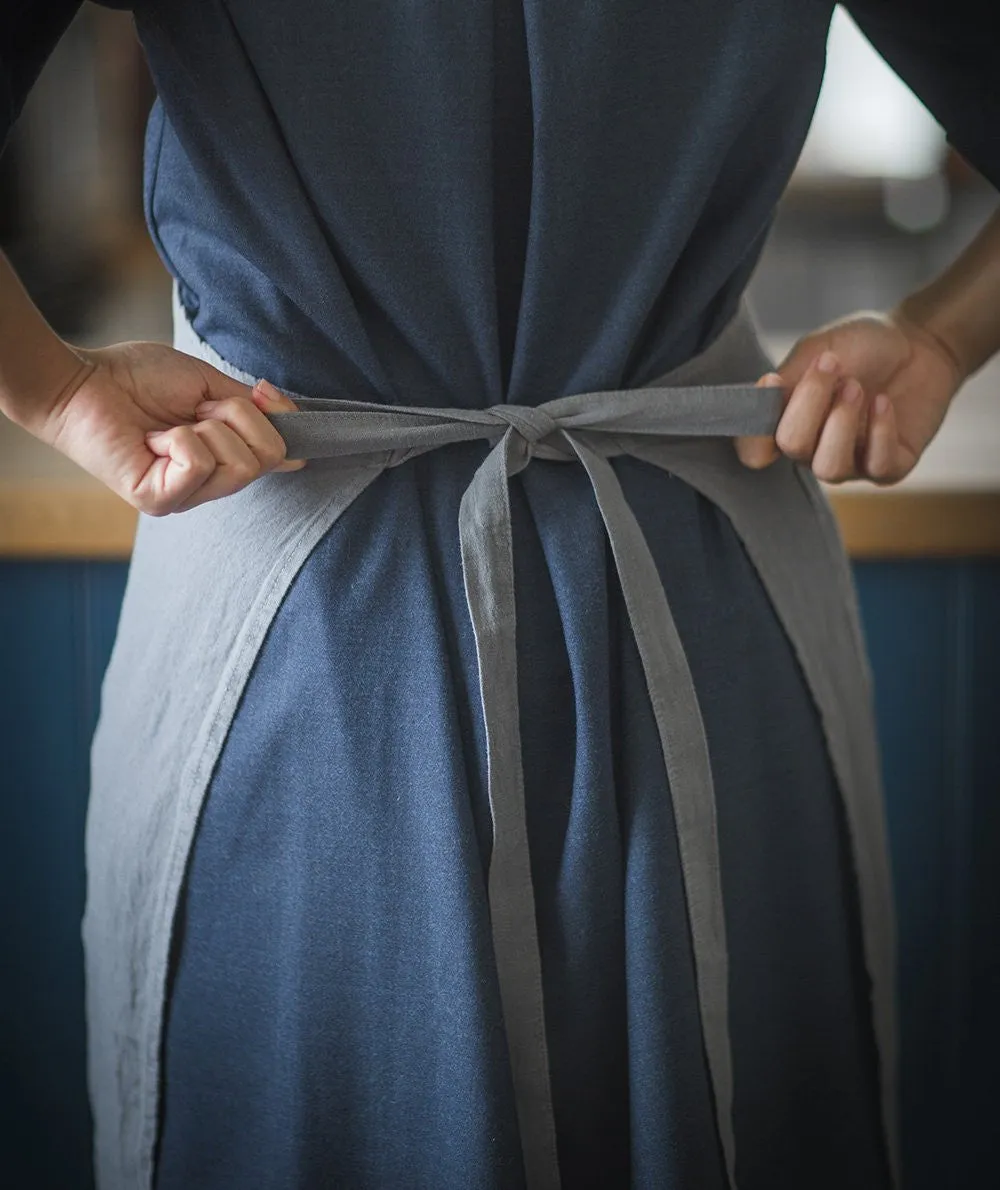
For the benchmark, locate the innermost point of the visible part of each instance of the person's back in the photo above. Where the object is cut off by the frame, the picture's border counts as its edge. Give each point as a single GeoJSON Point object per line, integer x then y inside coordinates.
{"type": "Point", "coordinates": [303, 966]}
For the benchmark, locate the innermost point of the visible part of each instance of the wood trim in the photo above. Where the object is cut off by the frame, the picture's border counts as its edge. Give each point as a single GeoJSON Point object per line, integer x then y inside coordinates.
{"type": "Point", "coordinates": [64, 520]}
{"type": "Point", "coordinates": [42, 519]}
{"type": "Point", "coordinates": [919, 524]}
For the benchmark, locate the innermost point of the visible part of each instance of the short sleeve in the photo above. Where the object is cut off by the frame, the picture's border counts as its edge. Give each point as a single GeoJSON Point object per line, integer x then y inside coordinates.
{"type": "Point", "coordinates": [946, 52]}
{"type": "Point", "coordinates": [28, 35]}
{"type": "Point", "coordinates": [29, 32]}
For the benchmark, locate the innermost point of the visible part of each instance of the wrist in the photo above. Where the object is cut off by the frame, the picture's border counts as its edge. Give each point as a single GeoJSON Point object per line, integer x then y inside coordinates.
{"type": "Point", "coordinates": [921, 320]}
{"type": "Point", "coordinates": [35, 401]}
{"type": "Point", "coordinates": [958, 308]}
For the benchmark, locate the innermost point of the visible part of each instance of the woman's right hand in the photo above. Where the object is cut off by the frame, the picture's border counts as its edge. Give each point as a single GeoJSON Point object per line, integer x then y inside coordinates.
{"type": "Point", "coordinates": [136, 418]}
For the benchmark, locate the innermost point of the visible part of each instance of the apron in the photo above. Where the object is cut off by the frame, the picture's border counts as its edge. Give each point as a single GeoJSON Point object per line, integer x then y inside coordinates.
{"type": "Point", "coordinates": [204, 587]}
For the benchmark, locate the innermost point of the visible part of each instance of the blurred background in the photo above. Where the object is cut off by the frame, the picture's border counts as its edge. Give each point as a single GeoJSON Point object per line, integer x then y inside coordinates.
{"type": "Point", "coordinates": [877, 205]}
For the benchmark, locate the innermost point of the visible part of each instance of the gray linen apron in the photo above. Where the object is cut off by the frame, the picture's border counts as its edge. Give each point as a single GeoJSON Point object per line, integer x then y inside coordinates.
{"type": "Point", "coordinates": [203, 588]}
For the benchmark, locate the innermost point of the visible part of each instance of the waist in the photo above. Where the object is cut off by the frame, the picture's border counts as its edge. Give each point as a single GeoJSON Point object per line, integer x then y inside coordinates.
{"type": "Point", "coordinates": [711, 395]}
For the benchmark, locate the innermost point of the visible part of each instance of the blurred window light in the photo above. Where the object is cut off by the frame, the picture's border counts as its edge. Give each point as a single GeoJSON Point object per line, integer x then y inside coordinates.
{"type": "Point", "coordinates": [868, 123]}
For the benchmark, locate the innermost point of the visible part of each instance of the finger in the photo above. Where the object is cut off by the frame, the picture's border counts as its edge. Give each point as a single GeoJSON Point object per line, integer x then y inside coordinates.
{"type": "Point", "coordinates": [834, 458]}
{"type": "Point", "coordinates": [272, 400]}
{"type": "Point", "coordinates": [754, 450]}
{"type": "Point", "coordinates": [220, 387]}
{"type": "Point", "coordinates": [799, 429]}
{"type": "Point", "coordinates": [800, 358]}
{"type": "Point", "coordinates": [235, 464]}
{"type": "Point", "coordinates": [249, 423]}
{"type": "Point", "coordinates": [886, 459]}
{"type": "Point", "coordinates": [183, 462]}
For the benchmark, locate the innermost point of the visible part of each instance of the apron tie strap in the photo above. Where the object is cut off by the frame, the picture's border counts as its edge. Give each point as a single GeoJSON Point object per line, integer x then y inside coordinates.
{"type": "Point", "coordinates": [588, 427]}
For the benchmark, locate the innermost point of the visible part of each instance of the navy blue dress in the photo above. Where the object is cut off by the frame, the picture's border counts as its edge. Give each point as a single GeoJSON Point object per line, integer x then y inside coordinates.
{"type": "Point", "coordinates": [466, 203]}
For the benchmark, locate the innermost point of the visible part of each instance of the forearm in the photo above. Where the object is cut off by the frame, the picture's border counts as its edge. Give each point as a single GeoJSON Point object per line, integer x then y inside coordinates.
{"type": "Point", "coordinates": [961, 306]}
{"type": "Point", "coordinates": [36, 367]}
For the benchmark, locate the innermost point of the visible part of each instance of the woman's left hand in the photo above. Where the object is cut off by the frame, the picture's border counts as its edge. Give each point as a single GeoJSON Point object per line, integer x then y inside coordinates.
{"type": "Point", "coordinates": [865, 395]}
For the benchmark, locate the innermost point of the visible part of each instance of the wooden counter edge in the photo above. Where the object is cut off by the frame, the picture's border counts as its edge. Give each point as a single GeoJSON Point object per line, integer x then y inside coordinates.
{"type": "Point", "coordinates": [76, 520]}
{"type": "Point", "coordinates": [51, 519]}
{"type": "Point", "coordinates": [918, 523]}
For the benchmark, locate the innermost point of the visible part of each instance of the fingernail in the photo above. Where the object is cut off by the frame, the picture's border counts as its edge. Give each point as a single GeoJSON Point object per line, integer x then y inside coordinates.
{"type": "Point", "coordinates": [852, 391]}
{"type": "Point", "coordinates": [828, 362]}
{"type": "Point", "coordinates": [882, 404]}
{"type": "Point", "coordinates": [206, 406]}
{"type": "Point", "coordinates": [153, 433]}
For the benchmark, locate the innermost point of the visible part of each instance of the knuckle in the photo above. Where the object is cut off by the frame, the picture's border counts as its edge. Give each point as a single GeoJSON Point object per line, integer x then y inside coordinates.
{"type": "Point", "coordinates": [792, 443]}
{"type": "Point", "coordinates": [754, 451]}
{"type": "Point", "coordinates": [272, 455]}
{"type": "Point", "coordinates": [830, 471]}
{"type": "Point", "coordinates": [154, 505]}
{"type": "Point", "coordinates": [245, 472]}
{"type": "Point", "coordinates": [209, 428]}
{"type": "Point", "coordinates": [878, 465]}
{"type": "Point", "coordinates": [202, 463]}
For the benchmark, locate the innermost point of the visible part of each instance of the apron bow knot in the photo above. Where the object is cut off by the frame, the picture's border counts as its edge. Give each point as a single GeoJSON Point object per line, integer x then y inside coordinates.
{"type": "Point", "coordinates": [532, 422]}
{"type": "Point", "coordinates": [588, 428]}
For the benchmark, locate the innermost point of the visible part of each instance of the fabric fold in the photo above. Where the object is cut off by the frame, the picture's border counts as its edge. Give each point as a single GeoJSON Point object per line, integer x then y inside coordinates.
{"type": "Point", "coordinates": [588, 428]}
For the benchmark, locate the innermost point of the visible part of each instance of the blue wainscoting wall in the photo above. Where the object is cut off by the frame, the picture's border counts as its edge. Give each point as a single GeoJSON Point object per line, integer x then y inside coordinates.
{"type": "Point", "coordinates": [57, 624]}
{"type": "Point", "coordinates": [933, 630]}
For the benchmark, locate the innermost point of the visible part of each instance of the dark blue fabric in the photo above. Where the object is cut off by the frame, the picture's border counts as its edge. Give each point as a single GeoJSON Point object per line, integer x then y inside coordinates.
{"type": "Point", "coordinates": [334, 1015]}
{"type": "Point", "coordinates": [342, 203]}
{"type": "Point", "coordinates": [464, 203]}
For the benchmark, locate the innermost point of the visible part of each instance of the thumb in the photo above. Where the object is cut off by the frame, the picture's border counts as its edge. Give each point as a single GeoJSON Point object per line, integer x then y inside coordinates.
{"type": "Point", "coordinates": [759, 452]}
{"type": "Point", "coordinates": [798, 360]}
{"type": "Point", "coordinates": [271, 400]}
{"type": "Point", "coordinates": [268, 399]}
